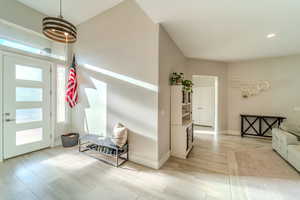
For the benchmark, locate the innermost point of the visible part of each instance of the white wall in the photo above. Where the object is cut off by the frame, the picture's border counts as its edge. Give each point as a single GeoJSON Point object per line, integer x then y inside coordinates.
{"type": "Point", "coordinates": [218, 69]}
{"type": "Point", "coordinates": [171, 60]}
{"type": "Point", "coordinates": [283, 98]}
{"type": "Point", "coordinates": [121, 43]}
{"type": "Point", "coordinates": [17, 13]}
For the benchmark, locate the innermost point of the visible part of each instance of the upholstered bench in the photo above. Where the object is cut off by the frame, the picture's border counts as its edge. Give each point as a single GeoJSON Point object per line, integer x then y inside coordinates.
{"type": "Point", "coordinates": [105, 146]}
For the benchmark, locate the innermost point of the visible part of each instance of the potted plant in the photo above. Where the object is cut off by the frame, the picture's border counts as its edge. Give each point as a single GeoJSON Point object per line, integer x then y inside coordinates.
{"type": "Point", "coordinates": [176, 78]}
{"type": "Point", "coordinates": [187, 85]}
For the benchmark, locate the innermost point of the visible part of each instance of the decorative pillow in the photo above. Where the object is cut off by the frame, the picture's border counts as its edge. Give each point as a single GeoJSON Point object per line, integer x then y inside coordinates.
{"type": "Point", "coordinates": [119, 136]}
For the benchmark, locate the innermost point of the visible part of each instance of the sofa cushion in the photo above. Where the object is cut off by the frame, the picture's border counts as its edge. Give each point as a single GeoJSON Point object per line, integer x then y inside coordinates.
{"type": "Point", "coordinates": [280, 141]}
{"type": "Point", "coordinates": [294, 156]}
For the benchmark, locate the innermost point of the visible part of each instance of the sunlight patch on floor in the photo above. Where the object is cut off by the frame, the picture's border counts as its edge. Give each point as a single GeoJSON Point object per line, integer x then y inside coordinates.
{"type": "Point", "coordinates": [69, 162]}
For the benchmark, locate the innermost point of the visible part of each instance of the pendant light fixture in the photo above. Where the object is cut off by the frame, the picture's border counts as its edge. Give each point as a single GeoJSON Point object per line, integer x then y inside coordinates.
{"type": "Point", "coordinates": [58, 29]}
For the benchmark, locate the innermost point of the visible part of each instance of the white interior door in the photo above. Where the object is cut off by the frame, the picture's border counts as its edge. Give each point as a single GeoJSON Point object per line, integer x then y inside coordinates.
{"type": "Point", "coordinates": [203, 106]}
{"type": "Point", "coordinates": [26, 105]}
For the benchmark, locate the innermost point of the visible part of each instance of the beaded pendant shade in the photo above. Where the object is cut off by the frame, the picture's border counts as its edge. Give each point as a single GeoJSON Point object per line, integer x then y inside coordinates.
{"type": "Point", "coordinates": [58, 29]}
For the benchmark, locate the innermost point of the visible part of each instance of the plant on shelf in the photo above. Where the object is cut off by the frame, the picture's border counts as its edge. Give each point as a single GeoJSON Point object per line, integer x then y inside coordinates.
{"type": "Point", "coordinates": [187, 85]}
{"type": "Point", "coordinates": [176, 78]}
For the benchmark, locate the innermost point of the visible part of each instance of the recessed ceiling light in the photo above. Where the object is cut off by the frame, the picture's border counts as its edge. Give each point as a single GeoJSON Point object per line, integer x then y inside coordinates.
{"type": "Point", "coordinates": [271, 35]}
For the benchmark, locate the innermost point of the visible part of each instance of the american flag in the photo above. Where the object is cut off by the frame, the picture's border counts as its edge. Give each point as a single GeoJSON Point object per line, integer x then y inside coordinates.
{"type": "Point", "coordinates": [72, 93]}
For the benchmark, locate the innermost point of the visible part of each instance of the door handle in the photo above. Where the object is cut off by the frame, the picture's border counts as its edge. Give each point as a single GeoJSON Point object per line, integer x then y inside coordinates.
{"type": "Point", "coordinates": [10, 120]}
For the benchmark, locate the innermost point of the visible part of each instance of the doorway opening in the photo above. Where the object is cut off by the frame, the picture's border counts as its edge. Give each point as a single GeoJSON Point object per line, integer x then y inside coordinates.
{"type": "Point", "coordinates": [205, 104]}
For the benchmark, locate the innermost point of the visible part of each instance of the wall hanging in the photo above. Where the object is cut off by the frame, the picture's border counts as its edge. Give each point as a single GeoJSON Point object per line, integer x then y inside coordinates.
{"type": "Point", "coordinates": [250, 88]}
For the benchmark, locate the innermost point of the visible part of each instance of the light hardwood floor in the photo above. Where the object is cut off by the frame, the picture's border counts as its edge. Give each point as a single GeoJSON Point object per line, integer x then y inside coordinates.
{"type": "Point", "coordinates": [223, 167]}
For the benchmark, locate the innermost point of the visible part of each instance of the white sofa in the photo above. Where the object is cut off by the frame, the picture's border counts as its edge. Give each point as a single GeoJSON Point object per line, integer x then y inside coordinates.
{"type": "Point", "coordinates": [294, 156]}
{"type": "Point", "coordinates": [287, 145]}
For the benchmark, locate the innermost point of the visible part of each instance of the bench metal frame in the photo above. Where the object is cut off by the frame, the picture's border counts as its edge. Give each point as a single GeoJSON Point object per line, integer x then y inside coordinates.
{"type": "Point", "coordinates": [118, 156]}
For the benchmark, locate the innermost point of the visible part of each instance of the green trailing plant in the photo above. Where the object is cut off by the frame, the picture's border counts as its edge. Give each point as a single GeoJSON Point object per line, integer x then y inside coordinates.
{"type": "Point", "coordinates": [187, 85]}
{"type": "Point", "coordinates": [176, 78]}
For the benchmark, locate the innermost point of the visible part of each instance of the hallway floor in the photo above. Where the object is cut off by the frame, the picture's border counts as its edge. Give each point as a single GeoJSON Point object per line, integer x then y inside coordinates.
{"type": "Point", "coordinates": [219, 167]}
{"type": "Point", "coordinates": [200, 130]}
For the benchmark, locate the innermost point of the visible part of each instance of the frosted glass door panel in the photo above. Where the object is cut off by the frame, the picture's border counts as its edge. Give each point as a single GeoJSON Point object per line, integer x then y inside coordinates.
{"type": "Point", "coordinates": [29, 136]}
{"type": "Point", "coordinates": [29, 94]}
{"type": "Point", "coordinates": [29, 73]}
{"type": "Point", "coordinates": [29, 115]}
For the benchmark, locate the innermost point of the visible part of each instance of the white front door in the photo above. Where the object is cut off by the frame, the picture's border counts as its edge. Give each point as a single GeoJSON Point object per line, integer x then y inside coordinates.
{"type": "Point", "coordinates": [26, 105]}
{"type": "Point", "coordinates": [203, 106]}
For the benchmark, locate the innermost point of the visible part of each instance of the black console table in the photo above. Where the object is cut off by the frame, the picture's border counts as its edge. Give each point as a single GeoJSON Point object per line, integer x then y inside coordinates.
{"type": "Point", "coordinates": [256, 125]}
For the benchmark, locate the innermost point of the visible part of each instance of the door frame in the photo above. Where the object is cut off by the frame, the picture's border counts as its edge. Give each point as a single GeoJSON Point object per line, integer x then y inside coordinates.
{"type": "Point", "coordinates": [1, 108]}
{"type": "Point", "coordinates": [52, 97]}
{"type": "Point", "coordinates": [205, 92]}
{"type": "Point", "coordinates": [216, 100]}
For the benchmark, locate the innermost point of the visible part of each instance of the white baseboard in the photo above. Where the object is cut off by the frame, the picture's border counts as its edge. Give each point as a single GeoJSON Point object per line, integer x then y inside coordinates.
{"type": "Point", "coordinates": [56, 143]}
{"type": "Point", "coordinates": [230, 132]}
{"type": "Point", "coordinates": [164, 159]}
{"type": "Point", "coordinates": [143, 161]}
{"type": "Point", "coordinates": [150, 163]}
{"type": "Point", "coordinates": [197, 134]}
{"type": "Point", "coordinates": [224, 132]}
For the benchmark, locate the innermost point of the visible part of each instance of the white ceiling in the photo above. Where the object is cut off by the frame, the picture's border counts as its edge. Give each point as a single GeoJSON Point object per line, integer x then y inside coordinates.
{"type": "Point", "coordinates": [76, 11]}
{"type": "Point", "coordinates": [224, 30]}
{"type": "Point", "coordinates": [229, 30]}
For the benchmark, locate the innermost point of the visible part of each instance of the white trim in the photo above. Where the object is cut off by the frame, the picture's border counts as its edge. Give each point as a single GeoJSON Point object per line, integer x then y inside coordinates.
{"type": "Point", "coordinates": [224, 132]}
{"type": "Point", "coordinates": [143, 161]}
{"type": "Point", "coordinates": [150, 163]}
{"type": "Point", "coordinates": [216, 120]}
{"type": "Point", "coordinates": [13, 51]}
{"type": "Point", "coordinates": [230, 132]}
{"type": "Point", "coordinates": [164, 159]}
{"type": "Point", "coordinates": [52, 103]}
{"type": "Point", "coordinates": [1, 107]}
{"type": "Point", "coordinates": [200, 133]}
{"type": "Point", "coordinates": [24, 55]}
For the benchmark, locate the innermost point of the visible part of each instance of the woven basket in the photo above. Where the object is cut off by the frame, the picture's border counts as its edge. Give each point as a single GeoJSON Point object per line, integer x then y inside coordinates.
{"type": "Point", "coordinates": [69, 139]}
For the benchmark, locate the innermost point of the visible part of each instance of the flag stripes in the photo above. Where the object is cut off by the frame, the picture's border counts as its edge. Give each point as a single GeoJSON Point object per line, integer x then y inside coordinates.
{"type": "Point", "coordinates": [72, 93]}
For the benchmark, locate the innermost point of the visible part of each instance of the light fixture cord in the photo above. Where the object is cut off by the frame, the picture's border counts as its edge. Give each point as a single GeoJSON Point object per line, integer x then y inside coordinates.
{"type": "Point", "coordinates": [60, 13]}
